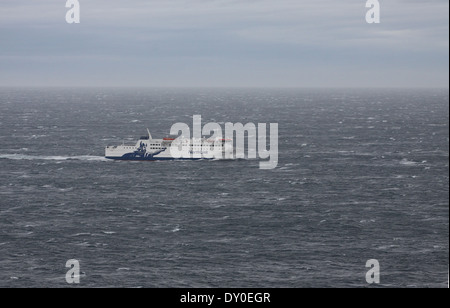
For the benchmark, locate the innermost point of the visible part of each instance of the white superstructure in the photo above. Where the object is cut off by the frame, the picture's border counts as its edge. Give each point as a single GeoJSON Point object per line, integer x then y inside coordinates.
{"type": "Point", "coordinates": [148, 148]}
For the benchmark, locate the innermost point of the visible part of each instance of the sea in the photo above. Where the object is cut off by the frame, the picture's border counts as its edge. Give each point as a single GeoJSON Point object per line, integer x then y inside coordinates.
{"type": "Point", "coordinates": [362, 174]}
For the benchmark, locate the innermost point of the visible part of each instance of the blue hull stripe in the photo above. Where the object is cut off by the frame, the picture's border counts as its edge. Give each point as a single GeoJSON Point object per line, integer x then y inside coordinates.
{"type": "Point", "coordinates": [152, 158]}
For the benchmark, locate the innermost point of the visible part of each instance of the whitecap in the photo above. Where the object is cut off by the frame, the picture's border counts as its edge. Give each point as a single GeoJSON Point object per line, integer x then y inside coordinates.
{"type": "Point", "coordinates": [37, 136]}
{"type": "Point", "coordinates": [176, 229]}
{"type": "Point", "coordinates": [108, 232]}
{"type": "Point", "coordinates": [407, 162]}
{"type": "Point", "coordinates": [84, 244]}
{"type": "Point", "coordinates": [82, 234]}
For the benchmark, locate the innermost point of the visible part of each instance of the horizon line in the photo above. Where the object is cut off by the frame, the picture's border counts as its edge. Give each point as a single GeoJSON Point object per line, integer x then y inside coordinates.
{"type": "Point", "coordinates": [226, 87]}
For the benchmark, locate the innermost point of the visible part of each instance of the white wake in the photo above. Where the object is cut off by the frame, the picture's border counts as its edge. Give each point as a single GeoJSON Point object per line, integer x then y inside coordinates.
{"type": "Point", "coordinates": [58, 158]}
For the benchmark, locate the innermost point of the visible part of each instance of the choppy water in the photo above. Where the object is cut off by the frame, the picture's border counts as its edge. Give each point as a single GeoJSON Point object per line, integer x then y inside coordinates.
{"type": "Point", "coordinates": [362, 175]}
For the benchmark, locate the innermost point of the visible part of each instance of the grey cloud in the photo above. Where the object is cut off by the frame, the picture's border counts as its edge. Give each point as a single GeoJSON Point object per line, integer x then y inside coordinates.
{"type": "Point", "coordinates": [224, 42]}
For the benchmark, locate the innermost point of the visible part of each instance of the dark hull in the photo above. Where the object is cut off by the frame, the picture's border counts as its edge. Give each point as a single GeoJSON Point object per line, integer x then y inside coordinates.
{"type": "Point", "coordinates": [152, 158]}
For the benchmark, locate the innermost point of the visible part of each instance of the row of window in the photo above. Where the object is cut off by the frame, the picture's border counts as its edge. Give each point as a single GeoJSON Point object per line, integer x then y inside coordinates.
{"type": "Point", "coordinates": [157, 147]}
{"type": "Point", "coordinates": [134, 148]}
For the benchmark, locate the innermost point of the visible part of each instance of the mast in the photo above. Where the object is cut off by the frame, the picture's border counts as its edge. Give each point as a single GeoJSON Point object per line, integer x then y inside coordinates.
{"type": "Point", "coordinates": [149, 135]}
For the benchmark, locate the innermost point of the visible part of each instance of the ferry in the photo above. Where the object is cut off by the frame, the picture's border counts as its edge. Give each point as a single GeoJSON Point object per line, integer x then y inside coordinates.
{"type": "Point", "coordinates": [172, 148]}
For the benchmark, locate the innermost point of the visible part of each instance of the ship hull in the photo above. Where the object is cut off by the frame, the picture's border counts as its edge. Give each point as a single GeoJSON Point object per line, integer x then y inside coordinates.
{"type": "Point", "coordinates": [153, 158]}
{"type": "Point", "coordinates": [149, 149]}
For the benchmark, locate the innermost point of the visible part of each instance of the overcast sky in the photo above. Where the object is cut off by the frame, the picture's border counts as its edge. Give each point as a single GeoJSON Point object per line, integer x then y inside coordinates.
{"type": "Point", "coordinates": [221, 43]}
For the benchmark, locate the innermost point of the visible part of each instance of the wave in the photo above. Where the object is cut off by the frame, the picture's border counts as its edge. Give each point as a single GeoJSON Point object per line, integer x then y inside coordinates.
{"type": "Point", "coordinates": [407, 162]}
{"type": "Point", "coordinates": [57, 158]}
